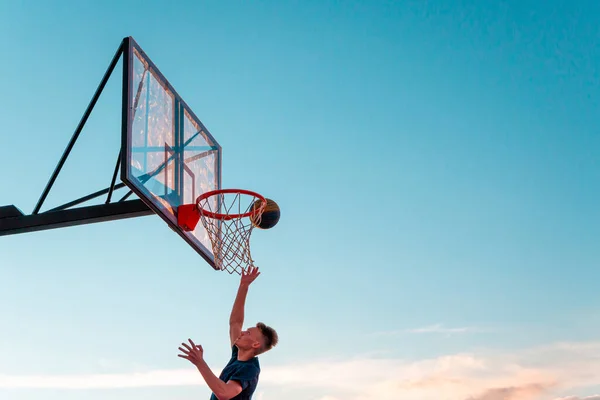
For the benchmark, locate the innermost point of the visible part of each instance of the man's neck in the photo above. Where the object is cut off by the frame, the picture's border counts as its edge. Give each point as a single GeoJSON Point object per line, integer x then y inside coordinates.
{"type": "Point", "coordinates": [245, 355]}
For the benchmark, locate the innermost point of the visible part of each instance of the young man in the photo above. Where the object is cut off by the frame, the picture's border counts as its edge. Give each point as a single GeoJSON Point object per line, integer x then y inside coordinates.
{"type": "Point", "coordinates": [239, 378]}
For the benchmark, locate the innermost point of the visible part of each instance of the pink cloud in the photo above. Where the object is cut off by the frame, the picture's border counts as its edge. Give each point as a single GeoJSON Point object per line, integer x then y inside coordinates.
{"type": "Point", "coordinates": [526, 392]}
{"type": "Point", "coordinates": [594, 397]}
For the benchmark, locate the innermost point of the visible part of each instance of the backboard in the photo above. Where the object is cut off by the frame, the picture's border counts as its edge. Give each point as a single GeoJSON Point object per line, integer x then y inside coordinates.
{"type": "Point", "coordinates": [168, 156]}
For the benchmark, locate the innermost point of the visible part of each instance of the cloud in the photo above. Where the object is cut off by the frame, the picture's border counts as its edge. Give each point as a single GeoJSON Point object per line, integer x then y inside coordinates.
{"type": "Point", "coordinates": [460, 377]}
{"type": "Point", "coordinates": [513, 393]}
{"type": "Point", "coordinates": [540, 373]}
{"type": "Point", "coordinates": [433, 329]}
{"type": "Point", "coordinates": [594, 397]}
{"type": "Point", "coordinates": [438, 328]}
{"type": "Point", "coordinates": [175, 377]}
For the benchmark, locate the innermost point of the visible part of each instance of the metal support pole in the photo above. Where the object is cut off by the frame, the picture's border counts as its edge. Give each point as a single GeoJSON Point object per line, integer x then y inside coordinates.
{"type": "Point", "coordinates": [84, 119]}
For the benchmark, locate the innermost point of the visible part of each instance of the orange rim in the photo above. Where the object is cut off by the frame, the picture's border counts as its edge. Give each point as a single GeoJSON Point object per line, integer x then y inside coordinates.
{"type": "Point", "coordinates": [228, 217]}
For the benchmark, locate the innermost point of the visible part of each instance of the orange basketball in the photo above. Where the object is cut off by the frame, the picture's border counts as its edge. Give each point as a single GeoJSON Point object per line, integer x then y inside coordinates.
{"type": "Point", "coordinates": [269, 217]}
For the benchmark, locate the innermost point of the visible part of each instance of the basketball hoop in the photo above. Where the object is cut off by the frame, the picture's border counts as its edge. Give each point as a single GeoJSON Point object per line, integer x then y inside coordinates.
{"type": "Point", "coordinates": [228, 215]}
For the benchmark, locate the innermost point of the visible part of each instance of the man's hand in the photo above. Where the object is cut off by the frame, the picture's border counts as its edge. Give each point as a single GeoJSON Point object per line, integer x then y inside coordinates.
{"type": "Point", "coordinates": [222, 390]}
{"type": "Point", "coordinates": [193, 353]}
{"type": "Point", "coordinates": [250, 276]}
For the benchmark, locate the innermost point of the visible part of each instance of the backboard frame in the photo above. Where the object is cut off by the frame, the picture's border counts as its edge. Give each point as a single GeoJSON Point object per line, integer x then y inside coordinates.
{"type": "Point", "coordinates": [14, 221]}
{"type": "Point", "coordinates": [180, 107]}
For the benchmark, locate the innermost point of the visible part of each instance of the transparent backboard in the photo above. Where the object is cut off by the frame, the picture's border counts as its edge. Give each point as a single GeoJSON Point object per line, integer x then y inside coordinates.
{"type": "Point", "coordinates": [170, 158]}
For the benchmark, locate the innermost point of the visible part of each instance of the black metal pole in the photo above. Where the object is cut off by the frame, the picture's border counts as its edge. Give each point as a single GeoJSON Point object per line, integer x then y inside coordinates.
{"type": "Point", "coordinates": [74, 217]}
{"type": "Point", "coordinates": [83, 199]}
{"type": "Point", "coordinates": [114, 178]}
{"type": "Point", "coordinates": [126, 109]}
{"type": "Point", "coordinates": [85, 117]}
{"type": "Point", "coordinates": [126, 196]}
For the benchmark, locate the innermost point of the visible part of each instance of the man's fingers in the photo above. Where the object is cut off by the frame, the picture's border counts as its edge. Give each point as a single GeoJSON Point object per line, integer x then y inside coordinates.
{"type": "Point", "coordinates": [192, 354]}
{"type": "Point", "coordinates": [251, 271]}
{"type": "Point", "coordinates": [186, 346]}
{"type": "Point", "coordinates": [190, 349]}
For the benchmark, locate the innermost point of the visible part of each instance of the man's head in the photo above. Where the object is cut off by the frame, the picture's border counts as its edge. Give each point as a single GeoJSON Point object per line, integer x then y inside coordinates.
{"type": "Point", "coordinates": [260, 338]}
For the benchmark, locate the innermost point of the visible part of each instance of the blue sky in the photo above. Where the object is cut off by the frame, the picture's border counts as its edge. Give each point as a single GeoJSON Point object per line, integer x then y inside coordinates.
{"type": "Point", "coordinates": [436, 163]}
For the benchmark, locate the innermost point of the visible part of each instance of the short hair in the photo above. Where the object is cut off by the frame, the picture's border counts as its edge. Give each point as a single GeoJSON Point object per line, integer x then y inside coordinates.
{"type": "Point", "coordinates": [269, 335]}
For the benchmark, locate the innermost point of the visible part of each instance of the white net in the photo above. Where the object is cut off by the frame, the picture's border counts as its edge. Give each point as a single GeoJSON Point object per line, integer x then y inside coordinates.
{"type": "Point", "coordinates": [229, 219]}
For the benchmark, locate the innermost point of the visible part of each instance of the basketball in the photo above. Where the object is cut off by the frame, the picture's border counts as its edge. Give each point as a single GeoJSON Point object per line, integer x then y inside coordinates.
{"type": "Point", "coordinates": [270, 215]}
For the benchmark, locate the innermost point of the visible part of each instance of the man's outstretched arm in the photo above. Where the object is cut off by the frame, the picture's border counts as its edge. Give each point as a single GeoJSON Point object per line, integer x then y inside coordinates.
{"type": "Point", "coordinates": [236, 319]}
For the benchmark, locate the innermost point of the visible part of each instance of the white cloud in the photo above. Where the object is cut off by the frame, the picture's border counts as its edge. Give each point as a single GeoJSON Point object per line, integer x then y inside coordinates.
{"type": "Point", "coordinates": [438, 328]}
{"type": "Point", "coordinates": [175, 377]}
{"type": "Point", "coordinates": [541, 373]}
{"type": "Point", "coordinates": [433, 329]}
{"type": "Point", "coordinates": [259, 395]}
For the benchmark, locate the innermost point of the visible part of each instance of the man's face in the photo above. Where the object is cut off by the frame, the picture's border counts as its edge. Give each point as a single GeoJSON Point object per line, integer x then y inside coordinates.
{"type": "Point", "coordinates": [250, 338]}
